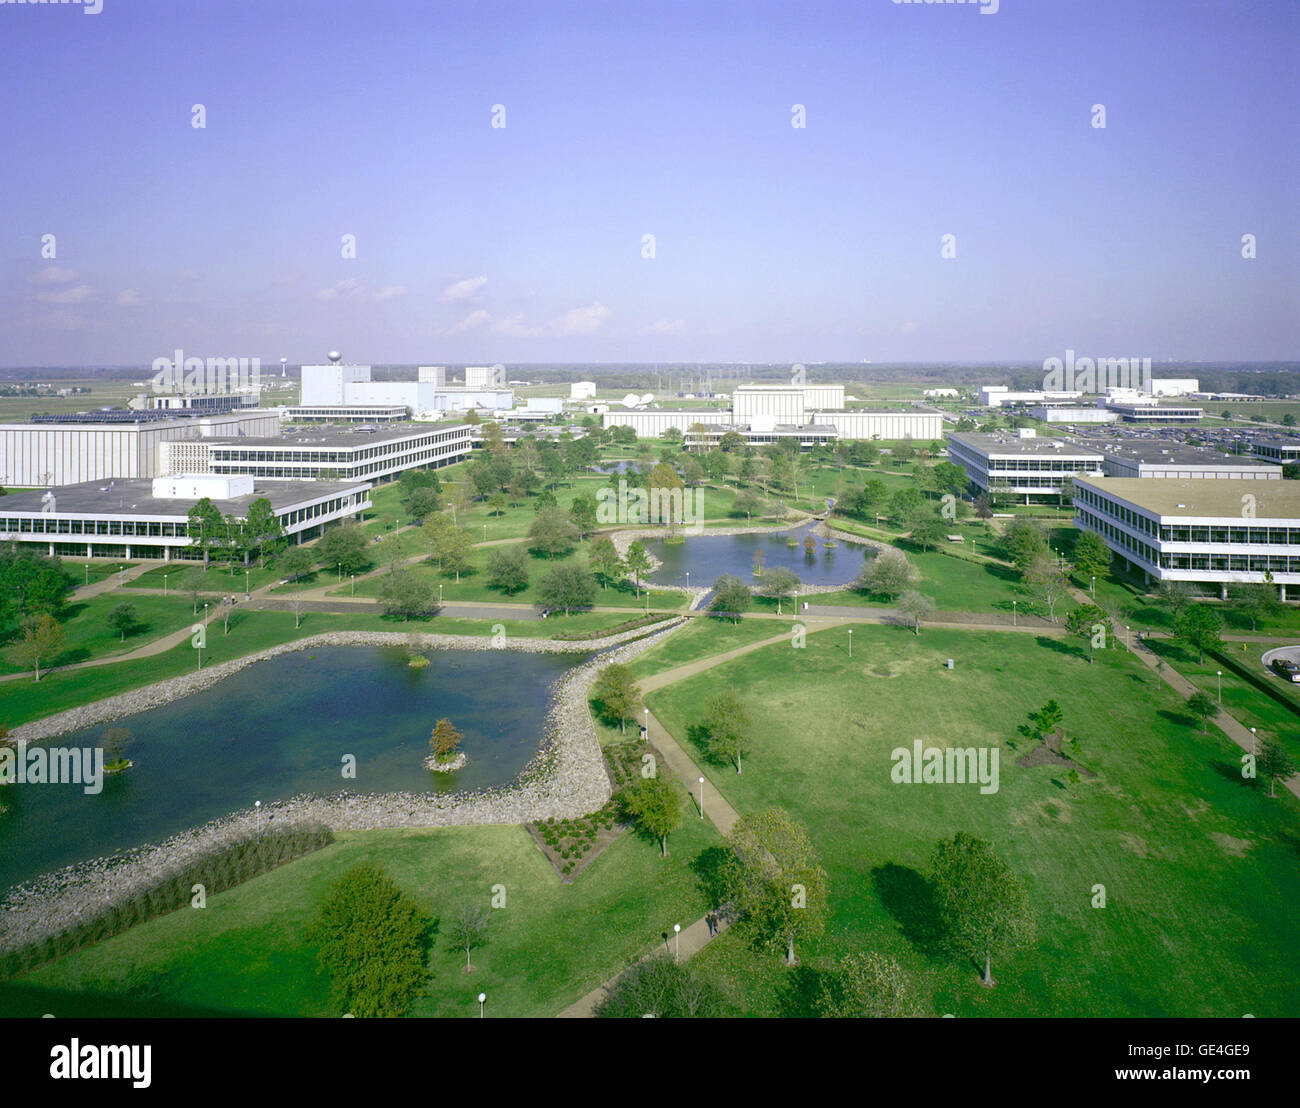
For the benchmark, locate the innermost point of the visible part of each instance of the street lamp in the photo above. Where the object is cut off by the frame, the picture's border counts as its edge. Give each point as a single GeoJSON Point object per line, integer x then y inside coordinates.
{"type": "Point", "coordinates": [121, 574]}
{"type": "Point", "coordinates": [87, 573]}
{"type": "Point", "coordinates": [1219, 674]}
{"type": "Point", "coordinates": [1092, 588]}
{"type": "Point", "coordinates": [353, 578]}
{"type": "Point", "coordinates": [688, 580]}
{"type": "Point", "coordinates": [701, 798]}
{"type": "Point", "coordinates": [1013, 613]}
{"type": "Point", "coordinates": [482, 999]}
{"type": "Point", "coordinates": [647, 721]}
{"type": "Point", "coordinates": [340, 573]}
{"type": "Point", "coordinates": [257, 806]}
{"type": "Point", "coordinates": [440, 596]}
{"type": "Point", "coordinates": [246, 592]}
{"type": "Point", "coordinates": [485, 532]}
{"type": "Point", "coordinates": [677, 942]}
{"type": "Point", "coordinates": [850, 642]}
{"type": "Point", "coordinates": [164, 584]}
{"type": "Point", "coordinates": [1252, 742]}
{"type": "Point", "coordinates": [1126, 646]}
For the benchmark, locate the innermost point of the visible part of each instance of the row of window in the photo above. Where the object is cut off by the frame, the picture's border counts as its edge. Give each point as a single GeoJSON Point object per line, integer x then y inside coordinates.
{"type": "Point", "coordinates": [1197, 533]}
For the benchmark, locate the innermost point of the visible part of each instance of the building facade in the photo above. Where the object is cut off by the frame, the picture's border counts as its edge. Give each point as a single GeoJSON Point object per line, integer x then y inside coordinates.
{"type": "Point", "coordinates": [1024, 466]}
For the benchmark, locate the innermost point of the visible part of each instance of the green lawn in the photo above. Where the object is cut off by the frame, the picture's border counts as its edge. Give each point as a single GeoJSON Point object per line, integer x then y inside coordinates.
{"type": "Point", "coordinates": [1197, 864]}
{"type": "Point", "coordinates": [247, 952]}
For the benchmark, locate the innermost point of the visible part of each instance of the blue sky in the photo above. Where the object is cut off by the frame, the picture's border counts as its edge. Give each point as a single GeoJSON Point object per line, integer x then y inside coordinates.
{"type": "Point", "coordinates": [772, 243]}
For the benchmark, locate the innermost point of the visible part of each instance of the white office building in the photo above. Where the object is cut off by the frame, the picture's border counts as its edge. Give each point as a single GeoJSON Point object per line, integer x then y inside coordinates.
{"type": "Point", "coordinates": [337, 385]}
{"type": "Point", "coordinates": [1166, 459]}
{"type": "Point", "coordinates": [1021, 466]}
{"type": "Point", "coordinates": [1213, 532]}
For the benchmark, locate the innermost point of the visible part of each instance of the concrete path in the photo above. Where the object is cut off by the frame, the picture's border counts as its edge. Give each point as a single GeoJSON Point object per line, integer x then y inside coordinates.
{"type": "Point", "coordinates": [111, 582]}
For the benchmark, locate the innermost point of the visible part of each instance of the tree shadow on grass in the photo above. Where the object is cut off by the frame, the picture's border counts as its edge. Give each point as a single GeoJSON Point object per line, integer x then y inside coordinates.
{"type": "Point", "coordinates": [710, 870]}
{"type": "Point", "coordinates": [1181, 719]}
{"type": "Point", "coordinates": [800, 988]}
{"type": "Point", "coordinates": [1060, 646]}
{"type": "Point", "coordinates": [909, 898]}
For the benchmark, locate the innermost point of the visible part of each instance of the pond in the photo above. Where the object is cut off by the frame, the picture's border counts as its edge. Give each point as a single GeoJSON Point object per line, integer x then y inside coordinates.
{"type": "Point", "coordinates": [706, 557]}
{"type": "Point", "coordinates": [281, 727]}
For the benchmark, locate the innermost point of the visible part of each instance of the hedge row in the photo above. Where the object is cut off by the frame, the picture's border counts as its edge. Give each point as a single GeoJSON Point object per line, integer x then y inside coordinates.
{"type": "Point", "coordinates": [223, 868]}
{"type": "Point", "coordinates": [617, 629]}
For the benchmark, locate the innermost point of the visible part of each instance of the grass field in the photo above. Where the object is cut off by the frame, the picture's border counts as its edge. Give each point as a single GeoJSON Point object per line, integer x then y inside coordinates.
{"type": "Point", "coordinates": [248, 953]}
{"type": "Point", "coordinates": [1195, 862]}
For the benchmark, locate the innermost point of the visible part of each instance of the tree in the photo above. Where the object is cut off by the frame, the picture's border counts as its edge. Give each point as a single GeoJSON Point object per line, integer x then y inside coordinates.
{"type": "Point", "coordinates": [983, 507]}
{"type": "Point", "coordinates": [1085, 620]}
{"type": "Point", "coordinates": [1175, 595]}
{"type": "Point", "coordinates": [1091, 556]}
{"type": "Point", "coordinates": [949, 477]}
{"type": "Point", "coordinates": [444, 740]}
{"type": "Point", "coordinates": [371, 937]}
{"type": "Point", "coordinates": [1047, 580]}
{"type": "Point", "coordinates": [904, 503]}
{"type": "Point", "coordinates": [1198, 625]}
{"type": "Point", "coordinates": [1274, 762]}
{"type": "Point", "coordinates": [874, 986]}
{"type": "Point", "coordinates": [421, 502]}
{"type": "Point", "coordinates": [604, 559]}
{"type": "Point", "coordinates": [1202, 705]}
{"type": "Point", "coordinates": [42, 639]}
{"type": "Point", "coordinates": [467, 927]}
{"type": "Point", "coordinates": [1257, 600]}
{"type": "Point", "coordinates": [122, 619]}
{"type": "Point", "coordinates": [984, 905]}
{"type": "Point", "coordinates": [667, 495]}
{"type": "Point", "coordinates": [1046, 720]}
{"type": "Point", "coordinates": [617, 694]}
{"type": "Point", "coordinates": [653, 804]}
{"type": "Point", "coordinates": [887, 574]}
{"type": "Point", "coordinates": [294, 563]}
{"type": "Point", "coordinates": [927, 530]}
{"type": "Point", "coordinates": [731, 441]}
{"type": "Point", "coordinates": [637, 563]}
{"type": "Point", "coordinates": [552, 532]}
{"type": "Point", "coordinates": [456, 550]}
{"type": "Point", "coordinates": [206, 528]}
{"type": "Point", "coordinates": [780, 583]}
{"type": "Point", "coordinates": [915, 607]}
{"type": "Point", "coordinates": [567, 587]}
{"type": "Point", "coordinates": [262, 529]}
{"type": "Point", "coordinates": [776, 880]}
{"type": "Point", "coordinates": [731, 597]}
{"type": "Point", "coordinates": [343, 546]}
{"type": "Point", "coordinates": [31, 582]}
{"type": "Point", "coordinates": [497, 503]}
{"type": "Point", "coordinates": [728, 727]}
{"type": "Point", "coordinates": [508, 569]}
{"type": "Point", "coordinates": [1023, 542]}
{"type": "Point", "coordinates": [404, 594]}
{"type": "Point", "coordinates": [661, 987]}
{"type": "Point", "coordinates": [582, 513]}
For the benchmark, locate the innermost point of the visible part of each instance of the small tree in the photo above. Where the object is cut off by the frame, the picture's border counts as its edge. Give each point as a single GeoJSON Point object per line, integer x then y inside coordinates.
{"type": "Point", "coordinates": [866, 985]}
{"type": "Point", "coordinates": [779, 583]}
{"type": "Point", "coordinates": [122, 619]}
{"type": "Point", "coordinates": [403, 594]}
{"type": "Point", "coordinates": [637, 563]}
{"type": "Point", "coordinates": [984, 905]}
{"type": "Point", "coordinates": [444, 741]}
{"type": "Point", "coordinates": [653, 804]}
{"type": "Point", "coordinates": [567, 587]}
{"type": "Point", "coordinates": [1085, 621]}
{"type": "Point", "coordinates": [661, 987]}
{"type": "Point", "coordinates": [1273, 762]}
{"type": "Point", "coordinates": [1091, 556]}
{"type": "Point", "coordinates": [1046, 720]}
{"type": "Point", "coordinates": [1198, 625]}
{"type": "Point", "coordinates": [887, 574]}
{"type": "Point", "coordinates": [552, 532]}
{"type": "Point", "coordinates": [731, 597]}
{"type": "Point", "coordinates": [42, 640]}
{"type": "Point", "coordinates": [467, 928]}
{"type": "Point", "coordinates": [604, 559]}
{"type": "Point", "coordinates": [617, 693]}
{"type": "Point", "coordinates": [914, 607]}
{"type": "Point", "coordinates": [508, 569]}
{"type": "Point", "coordinates": [294, 563]}
{"type": "Point", "coordinates": [1202, 705]}
{"type": "Point", "coordinates": [728, 727]}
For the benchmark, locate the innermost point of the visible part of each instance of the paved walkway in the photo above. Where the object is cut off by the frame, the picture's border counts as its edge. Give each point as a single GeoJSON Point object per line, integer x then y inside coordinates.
{"type": "Point", "coordinates": [111, 582]}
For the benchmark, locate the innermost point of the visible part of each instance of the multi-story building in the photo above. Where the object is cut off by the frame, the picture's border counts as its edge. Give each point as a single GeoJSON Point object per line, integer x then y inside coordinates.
{"type": "Point", "coordinates": [354, 413]}
{"type": "Point", "coordinates": [1158, 458]}
{"type": "Point", "coordinates": [140, 519]}
{"type": "Point", "coordinates": [1020, 465]}
{"type": "Point", "coordinates": [1213, 532]}
{"type": "Point", "coordinates": [65, 450]}
{"type": "Point", "coordinates": [1154, 413]}
{"type": "Point", "coordinates": [324, 455]}
{"type": "Point", "coordinates": [337, 385]}
{"type": "Point", "coordinates": [1280, 451]}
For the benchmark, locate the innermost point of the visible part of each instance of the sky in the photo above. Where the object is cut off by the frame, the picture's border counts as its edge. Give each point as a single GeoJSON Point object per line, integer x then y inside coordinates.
{"type": "Point", "coordinates": [527, 242]}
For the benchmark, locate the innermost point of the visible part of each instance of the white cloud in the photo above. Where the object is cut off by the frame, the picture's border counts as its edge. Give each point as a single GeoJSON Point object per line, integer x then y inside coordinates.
{"type": "Point", "coordinates": [664, 327]}
{"type": "Point", "coordinates": [351, 285]}
{"type": "Point", "coordinates": [74, 295]}
{"type": "Point", "coordinates": [129, 298]}
{"type": "Point", "coordinates": [355, 290]}
{"type": "Point", "coordinates": [515, 327]}
{"type": "Point", "coordinates": [582, 321]}
{"type": "Point", "coordinates": [462, 290]}
{"type": "Point", "coordinates": [474, 319]}
{"type": "Point", "coordinates": [389, 292]}
{"type": "Point", "coordinates": [54, 275]}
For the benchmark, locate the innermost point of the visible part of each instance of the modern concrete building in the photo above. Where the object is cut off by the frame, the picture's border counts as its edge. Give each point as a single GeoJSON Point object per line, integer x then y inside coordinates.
{"type": "Point", "coordinates": [66, 451]}
{"type": "Point", "coordinates": [486, 377]}
{"type": "Point", "coordinates": [582, 390]}
{"type": "Point", "coordinates": [1020, 465]}
{"type": "Point", "coordinates": [1146, 412]}
{"type": "Point", "coordinates": [355, 413]}
{"type": "Point", "coordinates": [996, 396]}
{"type": "Point", "coordinates": [1214, 532]}
{"type": "Point", "coordinates": [1063, 413]}
{"type": "Point", "coordinates": [1173, 386]}
{"type": "Point", "coordinates": [337, 385]}
{"type": "Point", "coordinates": [1280, 451]}
{"type": "Point", "coordinates": [323, 455]}
{"type": "Point", "coordinates": [141, 519]}
{"type": "Point", "coordinates": [1160, 458]}
{"type": "Point", "coordinates": [807, 435]}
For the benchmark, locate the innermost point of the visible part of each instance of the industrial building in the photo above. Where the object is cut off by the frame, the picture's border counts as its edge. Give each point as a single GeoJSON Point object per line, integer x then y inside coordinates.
{"type": "Point", "coordinates": [322, 455]}
{"type": "Point", "coordinates": [142, 519]}
{"type": "Point", "coordinates": [1165, 459]}
{"type": "Point", "coordinates": [1214, 532]}
{"type": "Point", "coordinates": [1281, 451]}
{"type": "Point", "coordinates": [62, 450]}
{"type": "Point", "coordinates": [1021, 465]}
{"type": "Point", "coordinates": [358, 413]}
{"type": "Point", "coordinates": [336, 385]}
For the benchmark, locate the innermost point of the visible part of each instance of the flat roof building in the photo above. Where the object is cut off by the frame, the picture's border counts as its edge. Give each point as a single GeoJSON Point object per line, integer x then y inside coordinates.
{"type": "Point", "coordinates": [1161, 458]}
{"type": "Point", "coordinates": [1220, 532]}
{"type": "Point", "coordinates": [1021, 466]}
{"type": "Point", "coordinates": [150, 519]}
{"type": "Point", "coordinates": [1280, 451]}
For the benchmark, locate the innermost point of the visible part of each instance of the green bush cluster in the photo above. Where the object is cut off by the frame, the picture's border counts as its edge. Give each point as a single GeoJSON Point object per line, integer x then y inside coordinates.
{"type": "Point", "coordinates": [573, 839]}
{"type": "Point", "coordinates": [223, 868]}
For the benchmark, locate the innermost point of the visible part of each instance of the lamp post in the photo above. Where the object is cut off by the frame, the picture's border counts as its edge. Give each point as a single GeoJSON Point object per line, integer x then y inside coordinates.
{"type": "Point", "coordinates": [247, 594]}
{"type": "Point", "coordinates": [1092, 588]}
{"type": "Point", "coordinates": [121, 574]}
{"type": "Point", "coordinates": [340, 573]}
{"type": "Point", "coordinates": [1126, 646]}
{"type": "Point", "coordinates": [647, 721]}
{"type": "Point", "coordinates": [677, 942]}
{"type": "Point", "coordinates": [850, 642]}
{"type": "Point", "coordinates": [701, 798]}
{"type": "Point", "coordinates": [688, 580]}
{"type": "Point", "coordinates": [1219, 674]}
{"type": "Point", "coordinates": [1252, 742]}
{"type": "Point", "coordinates": [87, 573]}
{"type": "Point", "coordinates": [1013, 613]}
{"type": "Point", "coordinates": [257, 807]}
{"type": "Point", "coordinates": [353, 578]}
{"type": "Point", "coordinates": [164, 584]}
{"type": "Point", "coordinates": [440, 596]}
{"type": "Point", "coordinates": [485, 532]}
{"type": "Point", "coordinates": [482, 999]}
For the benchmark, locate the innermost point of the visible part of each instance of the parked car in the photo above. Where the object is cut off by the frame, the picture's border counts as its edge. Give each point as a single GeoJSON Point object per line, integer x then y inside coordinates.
{"type": "Point", "coordinates": [1284, 667]}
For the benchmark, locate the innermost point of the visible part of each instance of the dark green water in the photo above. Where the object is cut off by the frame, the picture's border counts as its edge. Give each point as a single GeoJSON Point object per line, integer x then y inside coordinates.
{"type": "Point", "coordinates": [708, 557]}
{"type": "Point", "coordinates": [279, 728]}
